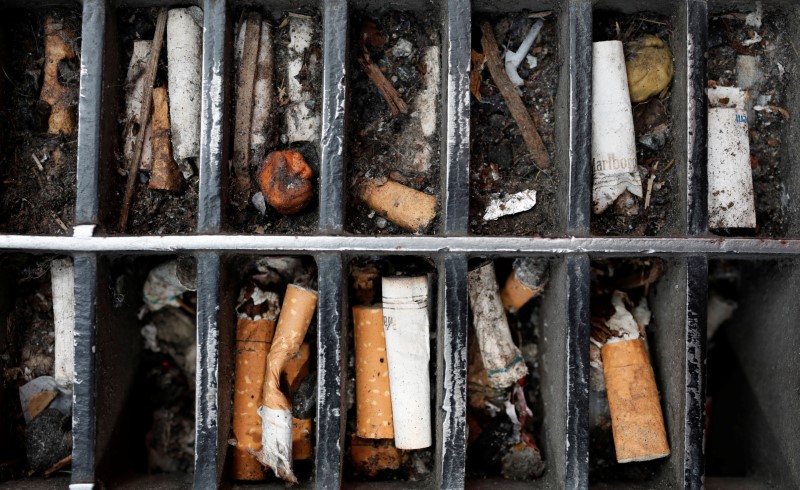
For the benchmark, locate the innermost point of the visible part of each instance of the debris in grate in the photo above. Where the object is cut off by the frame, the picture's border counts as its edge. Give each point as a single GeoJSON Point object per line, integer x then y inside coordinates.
{"type": "Point", "coordinates": [624, 428]}
{"type": "Point", "coordinates": [512, 124]}
{"type": "Point", "coordinates": [35, 424]}
{"type": "Point", "coordinates": [389, 384]}
{"type": "Point", "coordinates": [751, 48]}
{"type": "Point", "coordinates": [163, 393]}
{"type": "Point", "coordinates": [394, 127]}
{"type": "Point", "coordinates": [40, 110]}
{"type": "Point", "coordinates": [634, 181]}
{"type": "Point", "coordinates": [502, 377]}
{"type": "Point", "coordinates": [157, 175]}
{"type": "Point", "coordinates": [274, 397]}
{"type": "Point", "coordinates": [276, 122]}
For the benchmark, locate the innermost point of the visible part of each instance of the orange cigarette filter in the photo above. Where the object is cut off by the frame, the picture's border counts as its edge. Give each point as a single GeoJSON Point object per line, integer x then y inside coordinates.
{"type": "Point", "coordinates": [297, 367]}
{"type": "Point", "coordinates": [636, 419]}
{"type": "Point", "coordinates": [299, 305]}
{"type": "Point", "coordinates": [515, 294]}
{"type": "Point", "coordinates": [58, 40]}
{"type": "Point", "coordinates": [369, 456]}
{"type": "Point", "coordinates": [400, 204]}
{"type": "Point", "coordinates": [253, 338]}
{"type": "Point", "coordinates": [165, 174]}
{"type": "Point", "coordinates": [373, 396]}
{"type": "Point", "coordinates": [302, 449]}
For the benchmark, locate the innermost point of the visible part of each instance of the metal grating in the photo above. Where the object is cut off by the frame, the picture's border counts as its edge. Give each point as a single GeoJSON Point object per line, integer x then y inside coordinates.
{"type": "Point", "coordinates": [687, 247]}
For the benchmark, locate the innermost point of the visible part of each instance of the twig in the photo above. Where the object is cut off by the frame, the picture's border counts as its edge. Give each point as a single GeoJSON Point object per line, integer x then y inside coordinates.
{"type": "Point", "coordinates": [512, 98]}
{"type": "Point", "coordinates": [61, 464]}
{"type": "Point", "coordinates": [650, 186]}
{"type": "Point", "coordinates": [144, 116]}
{"type": "Point", "coordinates": [244, 108]}
{"type": "Point", "coordinates": [376, 76]}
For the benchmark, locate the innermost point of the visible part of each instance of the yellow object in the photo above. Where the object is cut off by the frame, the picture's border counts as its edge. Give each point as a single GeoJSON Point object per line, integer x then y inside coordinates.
{"type": "Point", "coordinates": [648, 62]}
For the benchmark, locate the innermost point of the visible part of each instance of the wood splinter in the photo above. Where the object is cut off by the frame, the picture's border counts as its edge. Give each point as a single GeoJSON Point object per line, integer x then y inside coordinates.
{"type": "Point", "coordinates": [244, 110]}
{"type": "Point", "coordinates": [376, 76]}
{"type": "Point", "coordinates": [514, 102]}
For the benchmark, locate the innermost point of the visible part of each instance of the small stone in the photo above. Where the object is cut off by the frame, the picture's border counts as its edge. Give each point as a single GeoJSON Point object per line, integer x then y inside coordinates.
{"type": "Point", "coordinates": [656, 138]}
{"type": "Point", "coordinates": [284, 139]}
{"type": "Point", "coordinates": [626, 205]}
{"type": "Point", "coordinates": [402, 48]}
{"type": "Point", "coordinates": [380, 222]}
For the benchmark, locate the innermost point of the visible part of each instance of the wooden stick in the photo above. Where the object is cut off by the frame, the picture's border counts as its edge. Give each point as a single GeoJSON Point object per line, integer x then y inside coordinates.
{"type": "Point", "coordinates": [165, 174]}
{"type": "Point", "coordinates": [147, 104]}
{"type": "Point", "coordinates": [376, 76]}
{"type": "Point", "coordinates": [512, 98]}
{"type": "Point", "coordinates": [244, 110]}
{"type": "Point", "coordinates": [60, 465]}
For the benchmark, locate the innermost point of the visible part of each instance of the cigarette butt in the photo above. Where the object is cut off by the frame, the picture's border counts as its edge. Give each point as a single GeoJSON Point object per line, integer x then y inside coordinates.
{"type": "Point", "coordinates": [58, 41]}
{"type": "Point", "coordinates": [501, 357]}
{"type": "Point", "coordinates": [402, 205]}
{"type": "Point", "coordinates": [373, 397]}
{"type": "Point", "coordinates": [613, 139]}
{"type": "Point", "coordinates": [636, 419]}
{"type": "Point", "coordinates": [369, 456]}
{"type": "Point", "coordinates": [528, 278]}
{"type": "Point", "coordinates": [165, 174]}
{"type": "Point", "coordinates": [253, 338]}
{"type": "Point", "coordinates": [302, 448]}
{"type": "Point", "coordinates": [184, 63]}
{"type": "Point", "coordinates": [299, 305]}
{"type": "Point", "coordinates": [297, 367]}
{"type": "Point", "coordinates": [407, 330]}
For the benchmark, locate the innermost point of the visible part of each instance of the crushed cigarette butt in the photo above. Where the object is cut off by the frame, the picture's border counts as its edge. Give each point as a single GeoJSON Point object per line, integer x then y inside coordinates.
{"type": "Point", "coordinates": [510, 204]}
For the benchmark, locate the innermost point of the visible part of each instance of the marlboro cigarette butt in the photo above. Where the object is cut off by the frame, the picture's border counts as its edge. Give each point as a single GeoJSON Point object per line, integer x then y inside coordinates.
{"type": "Point", "coordinates": [299, 305]}
{"type": "Point", "coordinates": [184, 58]}
{"type": "Point", "coordinates": [528, 278]}
{"type": "Point", "coordinates": [373, 399]}
{"type": "Point", "coordinates": [253, 339]}
{"type": "Point", "coordinates": [302, 431]}
{"type": "Point", "coordinates": [613, 140]}
{"type": "Point", "coordinates": [636, 419]}
{"type": "Point", "coordinates": [402, 205]}
{"type": "Point", "coordinates": [165, 174]}
{"type": "Point", "coordinates": [502, 359]}
{"type": "Point", "coordinates": [731, 201]}
{"type": "Point", "coordinates": [297, 367]}
{"type": "Point", "coordinates": [58, 42]}
{"type": "Point", "coordinates": [405, 324]}
{"type": "Point", "coordinates": [369, 456]}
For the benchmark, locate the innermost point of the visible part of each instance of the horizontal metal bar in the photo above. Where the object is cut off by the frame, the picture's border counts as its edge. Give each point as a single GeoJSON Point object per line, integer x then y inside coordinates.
{"type": "Point", "coordinates": [742, 247]}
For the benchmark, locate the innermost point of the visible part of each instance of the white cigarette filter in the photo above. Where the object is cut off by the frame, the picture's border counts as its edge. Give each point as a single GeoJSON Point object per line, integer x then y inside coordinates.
{"type": "Point", "coordinates": [502, 359]}
{"type": "Point", "coordinates": [302, 120]}
{"type": "Point", "coordinates": [134, 84]}
{"type": "Point", "coordinates": [184, 58]}
{"type": "Point", "coordinates": [405, 322]}
{"type": "Point", "coordinates": [62, 279]}
{"type": "Point", "coordinates": [731, 202]}
{"type": "Point", "coordinates": [613, 140]}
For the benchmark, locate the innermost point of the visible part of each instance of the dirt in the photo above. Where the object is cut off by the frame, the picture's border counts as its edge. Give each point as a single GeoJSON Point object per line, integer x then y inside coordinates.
{"type": "Point", "coordinates": [417, 464]}
{"type": "Point", "coordinates": [250, 220]}
{"type": "Point", "coordinates": [727, 31]}
{"type": "Point", "coordinates": [153, 212]}
{"type": "Point", "coordinates": [378, 145]}
{"type": "Point", "coordinates": [632, 218]}
{"type": "Point", "coordinates": [27, 346]}
{"type": "Point", "coordinates": [491, 435]}
{"type": "Point", "coordinates": [33, 201]}
{"type": "Point", "coordinates": [499, 161]}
